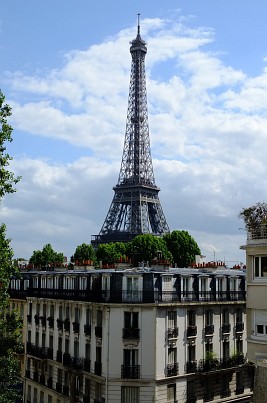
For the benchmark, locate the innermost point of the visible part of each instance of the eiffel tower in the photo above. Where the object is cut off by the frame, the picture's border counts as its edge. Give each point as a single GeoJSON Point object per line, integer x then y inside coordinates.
{"type": "Point", "coordinates": [135, 208]}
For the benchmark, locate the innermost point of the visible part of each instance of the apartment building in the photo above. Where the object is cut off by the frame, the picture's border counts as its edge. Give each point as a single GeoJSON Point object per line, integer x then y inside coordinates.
{"type": "Point", "coordinates": [136, 335]}
{"type": "Point", "coordinates": [256, 262]}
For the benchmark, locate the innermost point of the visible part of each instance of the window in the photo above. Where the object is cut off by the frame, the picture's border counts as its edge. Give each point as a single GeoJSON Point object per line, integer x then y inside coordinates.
{"type": "Point", "coordinates": [43, 339]}
{"type": "Point", "coordinates": [172, 355]}
{"type": "Point", "coordinates": [191, 318]}
{"type": "Point", "coordinates": [208, 317]}
{"type": "Point", "coordinates": [76, 349]}
{"type": "Point", "coordinates": [67, 346]}
{"type": "Point", "coordinates": [226, 350]}
{"type": "Point", "coordinates": [99, 318]}
{"type": "Point", "coordinates": [171, 393]}
{"type": "Point", "coordinates": [130, 394]}
{"type": "Point", "coordinates": [87, 387]}
{"type": "Point", "coordinates": [172, 319]}
{"type": "Point", "coordinates": [51, 341]}
{"type": "Point", "coordinates": [239, 346]}
{"type": "Point", "coordinates": [130, 357]}
{"type": "Point", "coordinates": [59, 343]}
{"type": "Point", "coordinates": [260, 266]}
{"type": "Point", "coordinates": [132, 288]}
{"type": "Point", "coordinates": [131, 320]}
{"type": "Point", "coordinates": [191, 353]}
{"type": "Point", "coordinates": [260, 322]}
{"type": "Point", "coordinates": [225, 316]}
{"type": "Point", "coordinates": [77, 315]}
{"type": "Point", "coordinates": [88, 316]}
{"type": "Point", "coordinates": [60, 312]}
{"type": "Point", "coordinates": [239, 316]}
{"type": "Point", "coordinates": [87, 351]}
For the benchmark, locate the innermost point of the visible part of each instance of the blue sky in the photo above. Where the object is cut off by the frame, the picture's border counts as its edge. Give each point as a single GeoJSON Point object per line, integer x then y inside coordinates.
{"type": "Point", "coordinates": [65, 70]}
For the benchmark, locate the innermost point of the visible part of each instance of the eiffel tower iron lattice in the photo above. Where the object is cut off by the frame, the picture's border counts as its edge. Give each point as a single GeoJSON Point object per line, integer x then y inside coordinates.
{"type": "Point", "coordinates": [135, 208]}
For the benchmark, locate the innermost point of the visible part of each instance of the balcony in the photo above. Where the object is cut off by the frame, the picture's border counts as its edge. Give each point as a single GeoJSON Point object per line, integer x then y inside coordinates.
{"type": "Point", "coordinates": [208, 397]}
{"type": "Point", "coordinates": [239, 390]}
{"type": "Point", "coordinates": [211, 364]}
{"type": "Point", "coordinates": [130, 371]}
{"type": "Point", "coordinates": [131, 333]}
{"type": "Point", "coordinates": [239, 327]}
{"type": "Point", "coordinates": [87, 330]}
{"type": "Point", "coordinates": [50, 320]}
{"type": "Point", "coordinates": [226, 328]}
{"type": "Point", "coordinates": [209, 330]}
{"type": "Point", "coordinates": [191, 367]}
{"type": "Point", "coordinates": [98, 332]}
{"type": "Point", "coordinates": [172, 333]}
{"type": "Point", "coordinates": [76, 327]}
{"type": "Point", "coordinates": [191, 331]}
{"type": "Point", "coordinates": [225, 393]}
{"type": "Point", "coordinates": [172, 369]}
{"type": "Point", "coordinates": [98, 368]}
{"type": "Point", "coordinates": [66, 325]}
{"type": "Point", "coordinates": [60, 324]}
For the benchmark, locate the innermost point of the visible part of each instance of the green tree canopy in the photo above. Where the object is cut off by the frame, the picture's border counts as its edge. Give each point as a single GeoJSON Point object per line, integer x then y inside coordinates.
{"type": "Point", "coordinates": [45, 257]}
{"type": "Point", "coordinates": [110, 253]}
{"type": "Point", "coordinates": [9, 322]}
{"type": "Point", "coordinates": [84, 252]}
{"type": "Point", "coordinates": [182, 247]}
{"type": "Point", "coordinates": [146, 247]}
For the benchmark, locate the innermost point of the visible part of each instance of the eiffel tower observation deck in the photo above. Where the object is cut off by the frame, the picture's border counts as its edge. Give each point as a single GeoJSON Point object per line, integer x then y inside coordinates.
{"type": "Point", "coordinates": [135, 208]}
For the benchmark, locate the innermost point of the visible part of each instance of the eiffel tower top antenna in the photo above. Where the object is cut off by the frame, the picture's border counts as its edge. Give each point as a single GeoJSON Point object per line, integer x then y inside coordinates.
{"type": "Point", "coordinates": [135, 208]}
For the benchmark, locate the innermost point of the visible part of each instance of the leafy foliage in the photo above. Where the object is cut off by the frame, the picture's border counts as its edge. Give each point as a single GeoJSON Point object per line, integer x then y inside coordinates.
{"type": "Point", "coordinates": [9, 322]}
{"type": "Point", "coordinates": [9, 325]}
{"type": "Point", "coordinates": [254, 217]}
{"type": "Point", "coordinates": [45, 257]}
{"type": "Point", "coordinates": [145, 248]}
{"type": "Point", "coordinates": [84, 252]}
{"type": "Point", "coordinates": [7, 178]}
{"type": "Point", "coordinates": [182, 246]}
{"type": "Point", "coordinates": [110, 253]}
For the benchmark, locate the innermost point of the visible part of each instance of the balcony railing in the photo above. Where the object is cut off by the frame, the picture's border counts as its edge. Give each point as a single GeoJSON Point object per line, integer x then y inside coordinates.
{"type": "Point", "coordinates": [50, 320]}
{"type": "Point", "coordinates": [239, 326]}
{"type": "Point", "coordinates": [60, 324]}
{"type": "Point", "coordinates": [130, 371]}
{"type": "Point", "coordinates": [239, 390]}
{"type": "Point", "coordinates": [172, 369]}
{"type": "Point", "coordinates": [131, 333]}
{"type": "Point", "coordinates": [40, 352]}
{"type": "Point", "coordinates": [191, 367]}
{"type": "Point", "coordinates": [172, 333]}
{"type": "Point", "coordinates": [208, 397]}
{"type": "Point", "coordinates": [225, 393]}
{"type": "Point", "coordinates": [191, 331]}
{"type": "Point", "coordinates": [209, 330]}
{"type": "Point", "coordinates": [137, 296]}
{"type": "Point", "coordinates": [226, 328]}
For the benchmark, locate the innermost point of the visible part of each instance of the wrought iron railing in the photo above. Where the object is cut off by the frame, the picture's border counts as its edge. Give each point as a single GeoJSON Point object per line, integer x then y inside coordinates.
{"type": "Point", "coordinates": [131, 333]}
{"type": "Point", "coordinates": [130, 371]}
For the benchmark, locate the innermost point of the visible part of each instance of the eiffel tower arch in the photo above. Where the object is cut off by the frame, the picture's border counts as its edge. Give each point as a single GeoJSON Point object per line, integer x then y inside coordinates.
{"type": "Point", "coordinates": [135, 208]}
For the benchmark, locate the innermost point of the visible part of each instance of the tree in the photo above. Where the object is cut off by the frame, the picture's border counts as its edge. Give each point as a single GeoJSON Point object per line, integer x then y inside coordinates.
{"type": "Point", "coordinates": [9, 322]}
{"type": "Point", "coordinates": [46, 257]}
{"type": "Point", "coordinates": [84, 252]}
{"type": "Point", "coordinates": [255, 219]}
{"type": "Point", "coordinates": [182, 247]}
{"type": "Point", "coordinates": [146, 247]}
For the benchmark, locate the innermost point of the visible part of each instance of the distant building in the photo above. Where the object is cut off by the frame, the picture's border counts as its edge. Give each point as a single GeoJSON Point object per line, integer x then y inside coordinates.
{"type": "Point", "coordinates": [138, 335]}
{"type": "Point", "coordinates": [256, 263]}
